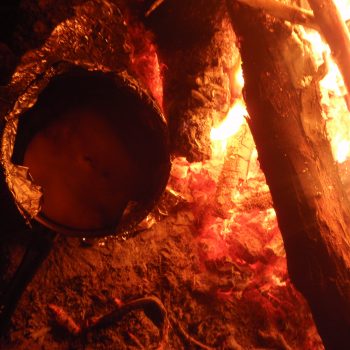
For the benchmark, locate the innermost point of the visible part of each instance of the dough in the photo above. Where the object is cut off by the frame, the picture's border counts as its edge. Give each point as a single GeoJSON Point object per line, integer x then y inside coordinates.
{"type": "Point", "coordinates": [86, 173]}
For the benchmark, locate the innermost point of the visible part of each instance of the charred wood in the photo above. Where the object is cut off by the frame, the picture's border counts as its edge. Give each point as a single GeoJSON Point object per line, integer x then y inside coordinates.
{"type": "Point", "coordinates": [199, 60]}
{"type": "Point", "coordinates": [295, 155]}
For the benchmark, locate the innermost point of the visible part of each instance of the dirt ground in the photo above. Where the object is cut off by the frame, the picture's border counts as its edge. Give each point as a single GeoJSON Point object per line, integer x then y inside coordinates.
{"type": "Point", "coordinates": [225, 290]}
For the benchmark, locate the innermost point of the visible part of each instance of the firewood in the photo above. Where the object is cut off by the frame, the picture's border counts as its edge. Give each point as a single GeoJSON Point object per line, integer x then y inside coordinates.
{"type": "Point", "coordinates": [260, 200]}
{"type": "Point", "coordinates": [285, 12]}
{"type": "Point", "coordinates": [200, 59]}
{"type": "Point", "coordinates": [311, 205]}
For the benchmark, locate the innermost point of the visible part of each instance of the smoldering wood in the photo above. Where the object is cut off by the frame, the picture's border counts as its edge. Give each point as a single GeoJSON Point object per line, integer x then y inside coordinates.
{"type": "Point", "coordinates": [199, 61]}
{"type": "Point", "coordinates": [295, 155]}
{"type": "Point", "coordinates": [283, 11]}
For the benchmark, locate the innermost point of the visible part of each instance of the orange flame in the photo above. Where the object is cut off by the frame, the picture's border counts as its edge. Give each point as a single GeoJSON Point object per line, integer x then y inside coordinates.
{"type": "Point", "coordinates": [228, 127]}
{"type": "Point", "coordinates": [239, 80]}
{"type": "Point", "coordinates": [233, 121]}
{"type": "Point", "coordinates": [333, 91]}
{"type": "Point", "coordinates": [333, 103]}
{"type": "Point", "coordinates": [344, 8]}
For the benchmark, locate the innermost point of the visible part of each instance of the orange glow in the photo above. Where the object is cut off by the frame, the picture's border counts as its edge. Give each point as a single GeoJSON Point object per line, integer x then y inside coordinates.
{"type": "Point", "coordinates": [239, 78]}
{"type": "Point", "coordinates": [231, 124]}
{"type": "Point", "coordinates": [333, 80]}
{"type": "Point", "coordinates": [231, 215]}
{"type": "Point", "coordinates": [344, 8]}
{"type": "Point", "coordinates": [332, 96]}
{"type": "Point", "coordinates": [233, 121]}
{"type": "Point", "coordinates": [229, 127]}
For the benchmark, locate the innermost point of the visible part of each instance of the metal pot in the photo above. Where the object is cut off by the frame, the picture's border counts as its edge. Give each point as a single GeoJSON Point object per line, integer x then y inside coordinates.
{"type": "Point", "coordinates": [141, 123]}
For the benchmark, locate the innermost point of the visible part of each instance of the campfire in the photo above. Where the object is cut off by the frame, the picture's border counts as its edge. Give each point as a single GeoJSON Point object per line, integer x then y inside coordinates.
{"type": "Point", "coordinates": [247, 246]}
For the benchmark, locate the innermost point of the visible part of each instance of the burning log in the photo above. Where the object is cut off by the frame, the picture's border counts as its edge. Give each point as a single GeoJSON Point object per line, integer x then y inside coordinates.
{"type": "Point", "coordinates": [294, 152]}
{"type": "Point", "coordinates": [284, 11]}
{"type": "Point", "coordinates": [198, 79]}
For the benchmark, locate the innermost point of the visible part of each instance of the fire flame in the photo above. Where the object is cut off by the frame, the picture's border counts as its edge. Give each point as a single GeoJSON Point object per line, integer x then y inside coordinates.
{"type": "Point", "coordinates": [344, 8]}
{"type": "Point", "coordinates": [333, 103]}
{"type": "Point", "coordinates": [233, 121]}
{"type": "Point", "coordinates": [333, 92]}
{"type": "Point", "coordinates": [230, 126]}
{"type": "Point", "coordinates": [239, 80]}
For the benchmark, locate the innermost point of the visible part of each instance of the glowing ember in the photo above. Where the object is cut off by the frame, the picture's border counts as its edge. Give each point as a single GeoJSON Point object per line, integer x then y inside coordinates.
{"type": "Point", "coordinates": [144, 60]}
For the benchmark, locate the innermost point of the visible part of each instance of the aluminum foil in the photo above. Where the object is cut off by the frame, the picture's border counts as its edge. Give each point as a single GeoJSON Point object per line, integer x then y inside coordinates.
{"type": "Point", "coordinates": [169, 203]}
{"type": "Point", "coordinates": [94, 39]}
{"type": "Point", "coordinates": [26, 193]}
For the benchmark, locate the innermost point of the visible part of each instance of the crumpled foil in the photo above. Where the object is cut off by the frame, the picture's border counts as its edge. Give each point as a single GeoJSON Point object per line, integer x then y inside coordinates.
{"type": "Point", "coordinates": [94, 39]}
{"type": "Point", "coordinates": [26, 193]}
{"type": "Point", "coordinates": [169, 203]}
